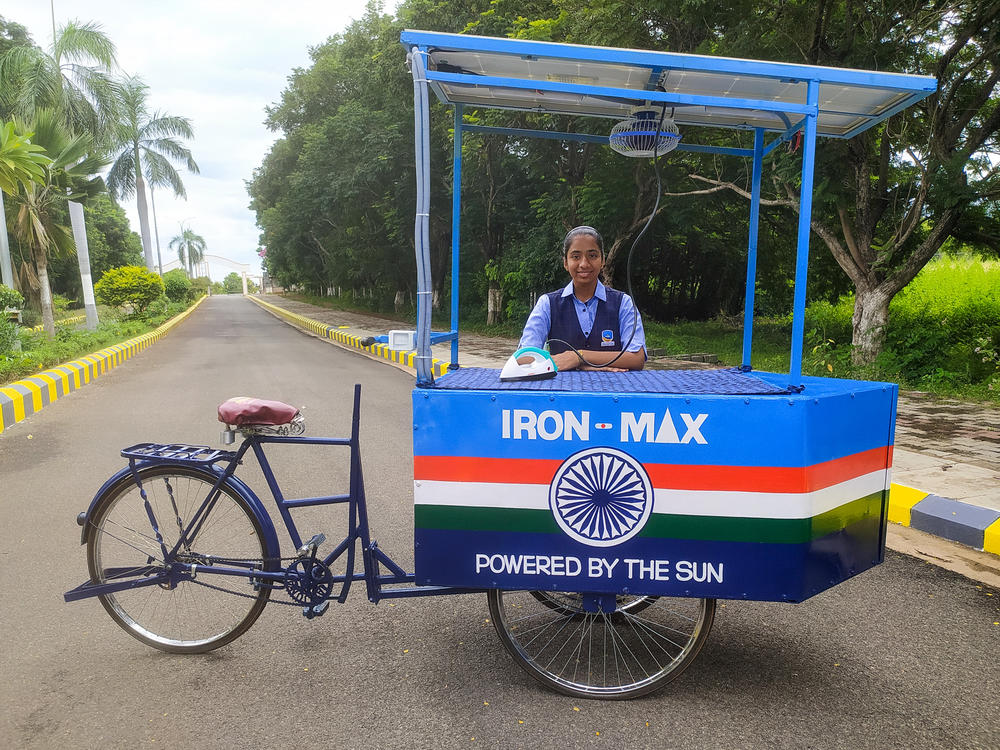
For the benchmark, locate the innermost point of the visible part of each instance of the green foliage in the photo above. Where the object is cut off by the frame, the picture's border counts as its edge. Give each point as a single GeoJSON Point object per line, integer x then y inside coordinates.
{"type": "Point", "coordinates": [177, 286]}
{"type": "Point", "coordinates": [10, 297]}
{"type": "Point", "coordinates": [201, 285]}
{"type": "Point", "coordinates": [8, 335]}
{"type": "Point", "coordinates": [110, 239]}
{"type": "Point", "coordinates": [130, 289]}
{"type": "Point", "coordinates": [988, 351]}
{"type": "Point", "coordinates": [233, 284]}
{"type": "Point", "coordinates": [21, 162]}
{"type": "Point", "coordinates": [190, 248]}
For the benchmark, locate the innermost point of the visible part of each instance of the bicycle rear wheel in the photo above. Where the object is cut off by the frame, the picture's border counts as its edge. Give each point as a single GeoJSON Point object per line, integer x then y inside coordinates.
{"type": "Point", "coordinates": [187, 617]}
{"type": "Point", "coordinates": [640, 647]}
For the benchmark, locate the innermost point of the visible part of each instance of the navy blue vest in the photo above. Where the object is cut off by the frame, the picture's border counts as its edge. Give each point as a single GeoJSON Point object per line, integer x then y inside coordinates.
{"type": "Point", "coordinates": [604, 336]}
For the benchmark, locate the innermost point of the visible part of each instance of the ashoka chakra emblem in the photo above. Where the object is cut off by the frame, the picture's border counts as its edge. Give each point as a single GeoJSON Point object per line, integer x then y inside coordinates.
{"type": "Point", "coordinates": [601, 497]}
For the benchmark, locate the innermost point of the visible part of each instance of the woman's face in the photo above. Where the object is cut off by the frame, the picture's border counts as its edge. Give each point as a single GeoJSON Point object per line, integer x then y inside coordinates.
{"type": "Point", "coordinates": [584, 260]}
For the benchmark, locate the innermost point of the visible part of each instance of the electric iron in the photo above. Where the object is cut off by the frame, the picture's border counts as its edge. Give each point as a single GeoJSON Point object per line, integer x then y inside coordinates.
{"type": "Point", "coordinates": [541, 366]}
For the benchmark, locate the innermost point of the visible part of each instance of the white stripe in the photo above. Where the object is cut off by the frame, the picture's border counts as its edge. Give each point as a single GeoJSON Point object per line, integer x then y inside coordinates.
{"type": "Point", "coordinates": [720, 503]}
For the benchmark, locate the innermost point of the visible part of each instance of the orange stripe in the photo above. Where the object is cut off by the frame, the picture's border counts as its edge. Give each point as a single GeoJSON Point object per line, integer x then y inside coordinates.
{"type": "Point", "coordinates": [672, 476]}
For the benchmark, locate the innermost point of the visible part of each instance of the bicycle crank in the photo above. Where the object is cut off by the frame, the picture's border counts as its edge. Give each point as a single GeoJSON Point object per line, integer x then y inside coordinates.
{"type": "Point", "coordinates": [309, 582]}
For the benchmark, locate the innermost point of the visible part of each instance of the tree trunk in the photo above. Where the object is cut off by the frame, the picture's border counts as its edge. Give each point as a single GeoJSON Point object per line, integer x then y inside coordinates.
{"type": "Point", "coordinates": [140, 200]}
{"type": "Point", "coordinates": [869, 322]}
{"type": "Point", "coordinates": [494, 303]}
{"type": "Point", "coordinates": [45, 291]}
{"type": "Point", "coordinates": [400, 302]}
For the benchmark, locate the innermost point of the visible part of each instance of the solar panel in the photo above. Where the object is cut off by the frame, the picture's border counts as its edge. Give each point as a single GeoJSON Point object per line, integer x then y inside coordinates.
{"type": "Point", "coordinates": [707, 91]}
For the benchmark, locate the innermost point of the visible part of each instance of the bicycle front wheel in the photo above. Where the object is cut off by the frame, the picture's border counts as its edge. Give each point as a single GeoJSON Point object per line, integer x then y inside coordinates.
{"type": "Point", "coordinates": [640, 647]}
{"type": "Point", "coordinates": [188, 616]}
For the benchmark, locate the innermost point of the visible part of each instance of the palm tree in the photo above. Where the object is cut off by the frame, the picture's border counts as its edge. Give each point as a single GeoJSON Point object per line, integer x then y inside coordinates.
{"type": "Point", "coordinates": [69, 175]}
{"type": "Point", "coordinates": [141, 140]}
{"type": "Point", "coordinates": [190, 248]}
{"type": "Point", "coordinates": [73, 77]}
{"type": "Point", "coordinates": [20, 163]}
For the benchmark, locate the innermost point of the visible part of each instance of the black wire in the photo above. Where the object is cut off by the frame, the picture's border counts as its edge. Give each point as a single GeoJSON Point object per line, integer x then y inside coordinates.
{"type": "Point", "coordinates": [628, 262]}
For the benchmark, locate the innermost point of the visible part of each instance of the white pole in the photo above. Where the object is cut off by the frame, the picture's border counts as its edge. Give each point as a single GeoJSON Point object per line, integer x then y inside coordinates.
{"type": "Point", "coordinates": [6, 269]}
{"type": "Point", "coordinates": [156, 230]}
{"type": "Point", "coordinates": [77, 221]}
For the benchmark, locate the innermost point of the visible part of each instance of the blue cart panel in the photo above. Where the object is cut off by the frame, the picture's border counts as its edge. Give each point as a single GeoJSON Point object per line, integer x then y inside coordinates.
{"type": "Point", "coordinates": [763, 495]}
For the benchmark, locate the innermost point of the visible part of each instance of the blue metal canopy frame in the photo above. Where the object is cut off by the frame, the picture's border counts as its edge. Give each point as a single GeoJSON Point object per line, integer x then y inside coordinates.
{"type": "Point", "coordinates": [545, 77]}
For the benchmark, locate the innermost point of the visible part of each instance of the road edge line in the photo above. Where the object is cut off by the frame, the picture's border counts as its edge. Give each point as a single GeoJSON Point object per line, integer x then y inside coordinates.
{"type": "Point", "coordinates": [347, 341]}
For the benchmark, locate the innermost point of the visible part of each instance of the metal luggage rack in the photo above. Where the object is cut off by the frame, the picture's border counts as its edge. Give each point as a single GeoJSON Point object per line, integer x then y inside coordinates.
{"type": "Point", "coordinates": [200, 455]}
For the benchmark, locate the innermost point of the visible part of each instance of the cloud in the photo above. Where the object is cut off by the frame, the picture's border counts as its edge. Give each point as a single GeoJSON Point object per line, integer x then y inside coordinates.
{"type": "Point", "coordinates": [220, 64]}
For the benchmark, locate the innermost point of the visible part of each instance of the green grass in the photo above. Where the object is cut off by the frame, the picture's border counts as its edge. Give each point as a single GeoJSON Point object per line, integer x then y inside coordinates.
{"type": "Point", "coordinates": [70, 342]}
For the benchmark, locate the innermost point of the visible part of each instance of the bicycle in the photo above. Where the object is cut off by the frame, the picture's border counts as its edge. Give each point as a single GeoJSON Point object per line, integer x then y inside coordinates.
{"type": "Point", "coordinates": [184, 557]}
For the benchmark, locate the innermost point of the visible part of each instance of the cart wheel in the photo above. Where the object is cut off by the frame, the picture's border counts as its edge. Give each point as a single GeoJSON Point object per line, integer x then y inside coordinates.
{"type": "Point", "coordinates": [573, 602]}
{"type": "Point", "coordinates": [640, 647]}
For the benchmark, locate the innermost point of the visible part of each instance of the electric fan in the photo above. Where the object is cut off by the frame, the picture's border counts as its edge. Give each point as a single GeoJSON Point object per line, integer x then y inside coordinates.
{"type": "Point", "coordinates": [643, 134]}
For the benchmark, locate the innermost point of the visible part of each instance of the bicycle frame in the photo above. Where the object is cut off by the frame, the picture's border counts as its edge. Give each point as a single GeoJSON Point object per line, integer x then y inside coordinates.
{"type": "Point", "coordinates": [206, 459]}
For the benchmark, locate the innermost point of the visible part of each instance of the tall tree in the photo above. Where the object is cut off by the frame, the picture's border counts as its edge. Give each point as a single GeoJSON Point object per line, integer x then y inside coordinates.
{"type": "Point", "coordinates": [190, 249]}
{"type": "Point", "coordinates": [21, 163]}
{"type": "Point", "coordinates": [146, 143]}
{"type": "Point", "coordinates": [72, 77]}
{"type": "Point", "coordinates": [69, 175]}
{"type": "Point", "coordinates": [888, 199]}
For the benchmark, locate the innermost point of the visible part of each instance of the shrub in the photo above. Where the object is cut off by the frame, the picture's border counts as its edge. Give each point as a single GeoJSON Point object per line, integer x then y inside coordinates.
{"type": "Point", "coordinates": [61, 305]}
{"type": "Point", "coordinates": [177, 286]}
{"type": "Point", "coordinates": [8, 336]}
{"type": "Point", "coordinates": [201, 285]}
{"type": "Point", "coordinates": [129, 288]}
{"type": "Point", "coordinates": [10, 297]}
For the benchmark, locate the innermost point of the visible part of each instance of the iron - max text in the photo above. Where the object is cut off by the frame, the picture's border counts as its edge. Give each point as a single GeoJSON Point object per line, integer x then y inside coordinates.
{"type": "Point", "coordinates": [644, 427]}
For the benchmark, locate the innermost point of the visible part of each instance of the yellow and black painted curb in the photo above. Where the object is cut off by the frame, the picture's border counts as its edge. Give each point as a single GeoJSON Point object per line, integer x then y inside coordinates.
{"type": "Point", "coordinates": [967, 524]}
{"type": "Point", "coordinates": [438, 367]}
{"type": "Point", "coordinates": [64, 322]}
{"type": "Point", "coordinates": [22, 398]}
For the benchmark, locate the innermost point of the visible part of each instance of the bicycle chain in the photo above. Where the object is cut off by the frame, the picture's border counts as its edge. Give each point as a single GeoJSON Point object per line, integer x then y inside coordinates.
{"type": "Point", "coordinates": [262, 585]}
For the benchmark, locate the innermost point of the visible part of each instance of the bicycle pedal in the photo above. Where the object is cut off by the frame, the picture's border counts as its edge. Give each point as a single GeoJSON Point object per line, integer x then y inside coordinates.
{"type": "Point", "coordinates": [309, 548]}
{"type": "Point", "coordinates": [316, 610]}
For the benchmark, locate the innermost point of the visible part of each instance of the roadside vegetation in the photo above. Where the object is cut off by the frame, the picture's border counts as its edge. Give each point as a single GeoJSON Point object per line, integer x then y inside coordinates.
{"type": "Point", "coordinates": [76, 133]}
{"type": "Point", "coordinates": [25, 351]}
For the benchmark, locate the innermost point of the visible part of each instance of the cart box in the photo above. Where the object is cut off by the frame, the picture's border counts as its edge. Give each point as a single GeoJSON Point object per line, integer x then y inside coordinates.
{"type": "Point", "coordinates": [767, 496]}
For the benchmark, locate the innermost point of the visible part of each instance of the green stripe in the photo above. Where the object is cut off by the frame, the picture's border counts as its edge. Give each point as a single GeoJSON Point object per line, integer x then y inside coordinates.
{"type": "Point", "coordinates": [663, 526]}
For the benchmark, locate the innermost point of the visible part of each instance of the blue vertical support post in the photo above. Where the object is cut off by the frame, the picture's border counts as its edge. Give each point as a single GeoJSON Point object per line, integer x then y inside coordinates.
{"type": "Point", "coordinates": [748, 302]}
{"type": "Point", "coordinates": [456, 221]}
{"type": "Point", "coordinates": [805, 220]}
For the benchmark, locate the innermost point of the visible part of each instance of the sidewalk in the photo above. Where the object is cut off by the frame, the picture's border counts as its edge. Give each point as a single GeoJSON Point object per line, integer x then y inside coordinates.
{"type": "Point", "coordinates": [949, 449]}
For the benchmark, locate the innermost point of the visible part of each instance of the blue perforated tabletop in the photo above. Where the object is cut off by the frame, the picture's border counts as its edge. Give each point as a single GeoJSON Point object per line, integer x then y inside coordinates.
{"type": "Point", "coordinates": [730, 382]}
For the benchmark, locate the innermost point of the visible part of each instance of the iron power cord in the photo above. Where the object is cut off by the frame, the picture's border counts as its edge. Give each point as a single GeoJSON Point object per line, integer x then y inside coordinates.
{"type": "Point", "coordinates": [628, 263]}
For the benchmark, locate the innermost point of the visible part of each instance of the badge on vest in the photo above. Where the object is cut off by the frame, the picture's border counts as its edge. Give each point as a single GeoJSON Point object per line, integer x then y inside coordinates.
{"type": "Point", "coordinates": [607, 338]}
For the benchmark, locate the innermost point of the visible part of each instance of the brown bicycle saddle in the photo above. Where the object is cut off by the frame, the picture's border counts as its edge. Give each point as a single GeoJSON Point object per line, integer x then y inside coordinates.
{"type": "Point", "coordinates": [243, 410]}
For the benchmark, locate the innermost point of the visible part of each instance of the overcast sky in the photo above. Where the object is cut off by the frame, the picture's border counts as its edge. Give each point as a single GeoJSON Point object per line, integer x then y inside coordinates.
{"type": "Point", "coordinates": [219, 63]}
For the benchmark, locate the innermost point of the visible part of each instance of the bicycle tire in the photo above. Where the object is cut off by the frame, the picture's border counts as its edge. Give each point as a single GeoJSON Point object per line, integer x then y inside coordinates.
{"type": "Point", "coordinates": [189, 617]}
{"type": "Point", "coordinates": [612, 656]}
{"type": "Point", "coordinates": [567, 601]}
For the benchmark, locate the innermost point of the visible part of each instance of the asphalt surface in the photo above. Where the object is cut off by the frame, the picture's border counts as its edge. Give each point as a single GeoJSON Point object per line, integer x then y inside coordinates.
{"type": "Point", "coordinates": [902, 656]}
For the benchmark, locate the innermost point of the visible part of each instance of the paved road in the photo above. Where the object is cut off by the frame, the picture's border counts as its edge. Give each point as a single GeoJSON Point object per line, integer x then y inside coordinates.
{"type": "Point", "coordinates": [903, 656]}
